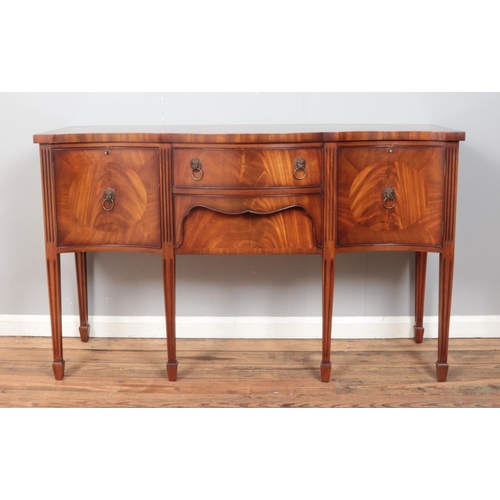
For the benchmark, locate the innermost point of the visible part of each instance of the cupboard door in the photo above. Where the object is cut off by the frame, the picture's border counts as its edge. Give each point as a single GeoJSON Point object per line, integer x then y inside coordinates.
{"type": "Point", "coordinates": [107, 197]}
{"type": "Point", "coordinates": [390, 195]}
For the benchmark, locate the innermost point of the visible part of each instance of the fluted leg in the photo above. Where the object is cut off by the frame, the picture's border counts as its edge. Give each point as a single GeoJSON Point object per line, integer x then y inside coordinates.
{"type": "Point", "coordinates": [54, 285]}
{"type": "Point", "coordinates": [81, 281]}
{"type": "Point", "coordinates": [446, 261]}
{"type": "Point", "coordinates": [169, 294]}
{"type": "Point", "coordinates": [420, 273]}
{"type": "Point", "coordinates": [328, 273]}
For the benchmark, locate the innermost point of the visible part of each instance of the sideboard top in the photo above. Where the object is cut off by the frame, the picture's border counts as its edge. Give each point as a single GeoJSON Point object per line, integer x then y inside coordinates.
{"type": "Point", "coordinates": [214, 134]}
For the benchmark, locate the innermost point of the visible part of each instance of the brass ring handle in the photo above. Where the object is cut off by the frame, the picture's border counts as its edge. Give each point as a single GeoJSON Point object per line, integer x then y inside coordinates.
{"type": "Point", "coordinates": [108, 203]}
{"type": "Point", "coordinates": [196, 171]}
{"type": "Point", "coordinates": [299, 171]}
{"type": "Point", "coordinates": [389, 200]}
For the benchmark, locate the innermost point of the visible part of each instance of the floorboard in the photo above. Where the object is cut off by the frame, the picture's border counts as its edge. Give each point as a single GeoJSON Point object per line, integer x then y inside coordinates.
{"type": "Point", "coordinates": [248, 373]}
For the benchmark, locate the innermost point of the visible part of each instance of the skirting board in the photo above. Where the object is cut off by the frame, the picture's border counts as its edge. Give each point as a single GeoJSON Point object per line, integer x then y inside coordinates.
{"type": "Point", "coordinates": [251, 327]}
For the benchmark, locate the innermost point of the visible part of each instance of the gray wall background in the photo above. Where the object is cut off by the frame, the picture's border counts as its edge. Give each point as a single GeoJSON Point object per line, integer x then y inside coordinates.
{"type": "Point", "coordinates": [377, 284]}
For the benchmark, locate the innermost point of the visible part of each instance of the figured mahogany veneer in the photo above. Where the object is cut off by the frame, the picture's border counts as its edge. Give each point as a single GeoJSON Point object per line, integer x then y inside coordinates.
{"type": "Point", "coordinates": [82, 175]}
{"type": "Point", "coordinates": [416, 176]}
{"type": "Point", "coordinates": [286, 231]}
{"type": "Point", "coordinates": [248, 168]}
{"type": "Point", "coordinates": [312, 189]}
{"type": "Point", "coordinates": [292, 224]}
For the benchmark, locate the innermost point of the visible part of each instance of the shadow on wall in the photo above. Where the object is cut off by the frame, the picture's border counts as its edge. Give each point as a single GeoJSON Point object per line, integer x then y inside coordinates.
{"type": "Point", "coordinates": [477, 246]}
{"type": "Point", "coordinates": [367, 284]}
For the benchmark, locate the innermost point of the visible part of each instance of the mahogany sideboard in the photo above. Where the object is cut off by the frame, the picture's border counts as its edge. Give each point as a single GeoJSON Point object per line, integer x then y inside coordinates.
{"type": "Point", "coordinates": [321, 189]}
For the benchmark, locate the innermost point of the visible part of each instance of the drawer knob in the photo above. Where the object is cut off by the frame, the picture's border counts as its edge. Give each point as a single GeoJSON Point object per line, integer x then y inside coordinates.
{"type": "Point", "coordinates": [196, 171]}
{"type": "Point", "coordinates": [108, 203]}
{"type": "Point", "coordinates": [389, 201]}
{"type": "Point", "coordinates": [299, 171]}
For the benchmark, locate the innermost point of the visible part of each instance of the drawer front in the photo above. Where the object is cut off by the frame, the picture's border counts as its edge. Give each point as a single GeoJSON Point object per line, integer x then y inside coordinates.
{"type": "Point", "coordinates": [248, 224]}
{"type": "Point", "coordinates": [283, 232]}
{"type": "Point", "coordinates": [247, 168]}
{"type": "Point", "coordinates": [390, 195]}
{"type": "Point", "coordinates": [107, 197]}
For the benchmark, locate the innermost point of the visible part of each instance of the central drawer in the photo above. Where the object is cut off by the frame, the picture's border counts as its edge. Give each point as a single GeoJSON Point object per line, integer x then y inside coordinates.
{"type": "Point", "coordinates": [243, 167]}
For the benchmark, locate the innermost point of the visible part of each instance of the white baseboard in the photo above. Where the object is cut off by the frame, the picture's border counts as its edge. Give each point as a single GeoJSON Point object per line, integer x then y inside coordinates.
{"type": "Point", "coordinates": [251, 327]}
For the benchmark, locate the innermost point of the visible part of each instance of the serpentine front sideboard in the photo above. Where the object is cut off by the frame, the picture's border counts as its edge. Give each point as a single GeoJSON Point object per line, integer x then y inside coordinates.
{"type": "Point", "coordinates": [250, 190]}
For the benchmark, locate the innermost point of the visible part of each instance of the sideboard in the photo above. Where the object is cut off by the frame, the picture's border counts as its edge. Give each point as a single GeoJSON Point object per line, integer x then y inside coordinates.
{"type": "Point", "coordinates": [308, 189]}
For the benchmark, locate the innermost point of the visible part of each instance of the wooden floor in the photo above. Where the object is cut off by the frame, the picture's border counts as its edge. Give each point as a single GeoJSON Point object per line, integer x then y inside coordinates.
{"type": "Point", "coordinates": [219, 373]}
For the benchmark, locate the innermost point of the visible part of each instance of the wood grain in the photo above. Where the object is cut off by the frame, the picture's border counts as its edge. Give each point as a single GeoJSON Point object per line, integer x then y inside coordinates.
{"type": "Point", "coordinates": [217, 373]}
{"type": "Point", "coordinates": [248, 134]}
{"type": "Point", "coordinates": [240, 219]}
{"type": "Point", "coordinates": [286, 231]}
{"type": "Point", "coordinates": [415, 173]}
{"type": "Point", "coordinates": [82, 176]}
{"type": "Point", "coordinates": [247, 168]}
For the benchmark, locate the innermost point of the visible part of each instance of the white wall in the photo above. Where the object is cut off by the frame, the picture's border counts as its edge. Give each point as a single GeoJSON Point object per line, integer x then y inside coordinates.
{"type": "Point", "coordinates": [378, 284]}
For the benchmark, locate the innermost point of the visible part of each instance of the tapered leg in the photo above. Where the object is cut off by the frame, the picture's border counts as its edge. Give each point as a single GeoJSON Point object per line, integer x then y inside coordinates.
{"type": "Point", "coordinates": [420, 272]}
{"type": "Point", "coordinates": [328, 273]}
{"type": "Point", "coordinates": [446, 261]}
{"type": "Point", "coordinates": [54, 284]}
{"type": "Point", "coordinates": [81, 281]}
{"type": "Point", "coordinates": [169, 294]}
